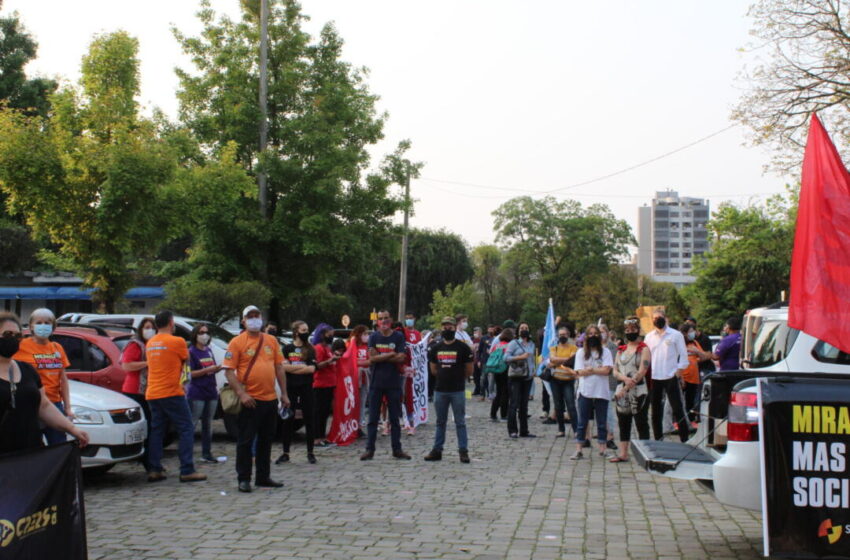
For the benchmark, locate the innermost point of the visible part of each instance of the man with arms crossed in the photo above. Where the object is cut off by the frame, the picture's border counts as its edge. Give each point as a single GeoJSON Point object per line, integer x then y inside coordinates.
{"type": "Point", "coordinates": [669, 360]}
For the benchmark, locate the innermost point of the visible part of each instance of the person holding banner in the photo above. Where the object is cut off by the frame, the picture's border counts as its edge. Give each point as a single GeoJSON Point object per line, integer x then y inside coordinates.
{"type": "Point", "coordinates": [411, 337]}
{"type": "Point", "coordinates": [451, 362]}
{"type": "Point", "coordinates": [360, 337]}
{"type": "Point", "coordinates": [387, 351]}
{"type": "Point", "coordinates": [23, 401]}
{"type": "Point", "coordinates": [299, 363]}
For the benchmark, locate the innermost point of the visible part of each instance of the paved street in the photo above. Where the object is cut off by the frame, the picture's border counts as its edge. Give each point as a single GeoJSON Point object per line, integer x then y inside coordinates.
{"type": "Point", "coordinates": [517, 499]}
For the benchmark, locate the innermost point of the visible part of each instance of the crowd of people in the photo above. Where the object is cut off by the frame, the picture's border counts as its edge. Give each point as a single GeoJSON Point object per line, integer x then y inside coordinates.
{"type": "Point", "coordinates": [592, 376]}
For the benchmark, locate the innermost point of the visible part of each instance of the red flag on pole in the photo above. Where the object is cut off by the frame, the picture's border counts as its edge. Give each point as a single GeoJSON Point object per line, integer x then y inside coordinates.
{"type": "Point", "coordinates": [820, 263]}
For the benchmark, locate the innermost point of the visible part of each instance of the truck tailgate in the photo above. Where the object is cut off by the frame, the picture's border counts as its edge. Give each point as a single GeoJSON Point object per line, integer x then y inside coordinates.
{"type": "Point", "coordinates": [673, 459]}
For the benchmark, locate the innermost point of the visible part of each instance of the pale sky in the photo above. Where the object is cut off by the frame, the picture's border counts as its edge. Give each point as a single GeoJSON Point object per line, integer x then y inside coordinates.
{"type": "Point", "coordinates": [518, 96]}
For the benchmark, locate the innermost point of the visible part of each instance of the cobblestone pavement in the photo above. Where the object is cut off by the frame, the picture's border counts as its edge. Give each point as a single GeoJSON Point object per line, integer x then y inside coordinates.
{"type": "Point", "coordinates": [517, 499]}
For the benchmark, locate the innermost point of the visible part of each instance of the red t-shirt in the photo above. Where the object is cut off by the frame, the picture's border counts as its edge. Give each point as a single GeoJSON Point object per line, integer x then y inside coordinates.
{"type": "Point", "coordinates": [411, 336]}
{"type": "Point", "coordinates": [326, 376]}
{"type": "Point", "coordinates": [132, 353]}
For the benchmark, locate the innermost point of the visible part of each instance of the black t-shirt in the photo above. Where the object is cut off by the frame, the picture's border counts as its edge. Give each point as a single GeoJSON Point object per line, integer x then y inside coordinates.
{"type": "Point", "coordinates": [705, 343]}
{"type": "Point", "coordinates": [299, 356]}
{"type": "Point", "coordinates": [451, 360]}
{"type": "Point", "coordinates": [19, 427]}
{"type": "Point", "coordinates": [387, 374]}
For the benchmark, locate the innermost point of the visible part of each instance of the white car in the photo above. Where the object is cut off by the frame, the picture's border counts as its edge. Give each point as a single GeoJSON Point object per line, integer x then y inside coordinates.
{"type": "Point", "coordinates": [115, 424]}
{"type": "Point", "coordinates": [724, 454]}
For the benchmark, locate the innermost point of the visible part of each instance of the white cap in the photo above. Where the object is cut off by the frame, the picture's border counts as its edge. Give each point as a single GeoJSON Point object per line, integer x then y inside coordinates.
{"type": "Point", "coordinates": [249, 309]}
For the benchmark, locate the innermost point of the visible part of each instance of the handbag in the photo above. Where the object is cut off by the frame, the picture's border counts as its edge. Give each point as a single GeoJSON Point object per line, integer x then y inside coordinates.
{"type": "Point", "coordinates": [546, 374]}
{"type": "Point", "coordinates": [230, 401]}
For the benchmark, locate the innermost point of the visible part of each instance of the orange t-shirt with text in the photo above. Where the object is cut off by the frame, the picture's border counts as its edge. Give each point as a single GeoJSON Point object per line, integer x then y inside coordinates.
{"type": "Point", "coordinates": [261, 381]}
{"type": "Point", "coordinates": [165, 354]}
{"type": "Point", "coordinates": [49, 360]}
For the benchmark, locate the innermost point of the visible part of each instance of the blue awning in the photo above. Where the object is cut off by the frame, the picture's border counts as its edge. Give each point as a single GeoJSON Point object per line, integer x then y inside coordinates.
{"type": "Point", "coordinates": [70, 293]}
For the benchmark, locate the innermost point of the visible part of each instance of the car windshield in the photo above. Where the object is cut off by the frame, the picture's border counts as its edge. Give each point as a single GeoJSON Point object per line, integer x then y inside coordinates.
{"type": "Point", "coordinates": [772, 340]}
{"type": "Point", "coordinates": [220, 337]}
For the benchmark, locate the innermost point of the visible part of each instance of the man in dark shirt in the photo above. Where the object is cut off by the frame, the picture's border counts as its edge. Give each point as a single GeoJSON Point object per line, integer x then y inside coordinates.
{"type": "Point", "coordinates": [705, 366]}
{"type": "Point", "coordinates": [386, 354]}
{"type": "Point", "coordinates": [451, 362]}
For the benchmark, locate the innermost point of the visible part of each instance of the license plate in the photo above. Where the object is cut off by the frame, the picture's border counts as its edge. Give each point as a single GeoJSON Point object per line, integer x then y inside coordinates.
{"type": "Point", "coordinates": [133, 436]}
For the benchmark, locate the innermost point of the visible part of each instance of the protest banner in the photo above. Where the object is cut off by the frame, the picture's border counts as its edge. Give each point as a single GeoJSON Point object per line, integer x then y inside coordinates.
{"type": "Point", "coordinates": [346, 413]}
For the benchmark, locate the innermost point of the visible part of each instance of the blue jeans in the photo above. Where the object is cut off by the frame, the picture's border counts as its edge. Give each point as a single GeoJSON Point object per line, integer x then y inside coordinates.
{"type": "Point", "coordinates": [564, 398]}
{"type": "Point", "coordinates": [174, 410]}
{"type": "Point", "coordinates": [600, 415]}
{"type": "Point", "coordinates": [393, 395]}
{"type": "Point", "coordinates": [457, 400]}
{"type": "Point", "coordinates": [52, 435]}
{"type": "Point", "coordinates": [204, 410]}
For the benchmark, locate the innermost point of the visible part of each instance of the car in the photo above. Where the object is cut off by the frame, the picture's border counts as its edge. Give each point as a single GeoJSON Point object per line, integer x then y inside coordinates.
{"type": "Point", "coordinates": [115, 423]}
{"type": "Point", "coordinates": [94, 353]}
{"type": "Point", "coordinates": [724, 453]}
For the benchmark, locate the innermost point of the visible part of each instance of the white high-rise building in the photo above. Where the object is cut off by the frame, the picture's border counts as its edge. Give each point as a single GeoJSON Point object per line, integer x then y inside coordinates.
{"type": "Point", "coordinates": [671, 233]}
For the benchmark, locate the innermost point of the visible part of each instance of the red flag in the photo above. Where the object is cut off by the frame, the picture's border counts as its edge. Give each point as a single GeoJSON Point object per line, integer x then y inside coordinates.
{"type": "Point", "coordinates": [346, 416]}
{"type": "Point", "coordinates": [820, 264]}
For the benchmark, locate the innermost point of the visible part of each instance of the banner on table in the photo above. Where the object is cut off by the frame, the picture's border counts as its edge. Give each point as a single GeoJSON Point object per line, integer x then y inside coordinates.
{"type": "Point", "coordinates": [805, 431]}
{"type": "Point", "coordinates": [346, 413]}
{"type": "Point", "coordinates": [419, 363]}
{"type": "Point", "coordinates": [41, 504]}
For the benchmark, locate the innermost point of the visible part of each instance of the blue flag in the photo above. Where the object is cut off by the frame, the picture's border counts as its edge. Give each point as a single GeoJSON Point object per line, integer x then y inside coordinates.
{"type": "Point", "coordinates": [550, 335]}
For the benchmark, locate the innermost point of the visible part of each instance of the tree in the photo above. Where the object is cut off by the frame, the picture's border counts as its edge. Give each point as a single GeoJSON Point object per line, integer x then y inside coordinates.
{"type": "Point", "coordinates": [211, 300]}
{"type": "Point", "coordinates": [805, 70]}
{"type": "Point", "coordinates": [749, 263]}
{"type": "Point", "coordinates": [95, 178]}
{"type": "Point", "coordinates": [486, 261]}
{"type": "Point", "coordinates": [561, 243]}
{"type": "Point", "coordinates": [326, 213]}
{"type": "Point", "coordinates": [463, 298]}
{"type": "Point", "coordinates": [17, 48]}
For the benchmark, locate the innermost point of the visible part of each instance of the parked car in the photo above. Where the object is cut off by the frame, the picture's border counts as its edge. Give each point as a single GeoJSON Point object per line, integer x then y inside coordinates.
{"type": "Point", "coordinates": [723, 455]}
{"type": "Point", "coordinates": [94, 353]}
{"type": "Point", "coordinates": [115, 424]}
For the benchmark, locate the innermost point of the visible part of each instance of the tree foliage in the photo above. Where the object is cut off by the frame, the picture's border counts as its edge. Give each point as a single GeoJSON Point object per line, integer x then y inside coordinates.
{"type": "Point", "coordinates": [455, 299]}
{"type": "Point", "coordinates": [211, 300]}
{"type": "Point", "coordinates": [17, 48]}
{"type": "Point", "coordinates": [804, 68]}
{"type": "Point", "coordinates": [94, 178]}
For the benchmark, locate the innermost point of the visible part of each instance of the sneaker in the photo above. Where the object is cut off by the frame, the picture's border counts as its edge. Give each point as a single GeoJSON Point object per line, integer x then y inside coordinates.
{"type": "Point", "coordinates": [464, 456]}
{"type": "Point", "coordinates": [194, 477]}
{"type": "Point", "coordinates": [401, 455]}
{"type": "Point", "coordinates": [156, 476]}
{"type": "Point", "coordinates": [284, 458]}
{"type": "Point", "coordinates": [576, 456]}
{"type": "Point", "coordinates": [611, 445]}
{"type": "Point", "coordinates": [209, 459]}
{"type": "Point", "coordinates": [513, 436]}
{"type": "Point", "coordinates": [434, 455]}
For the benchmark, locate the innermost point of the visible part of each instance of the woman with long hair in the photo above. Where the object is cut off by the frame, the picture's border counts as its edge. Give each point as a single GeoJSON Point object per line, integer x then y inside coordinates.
{"type": "Point", "coordinates": [202, 392]}
{"type": "Point", "coordinates": [299, 365]}
{"type": "Point", "coordinates": [631, 397]}
{"type": "Point", "coordinates": [134, 363]}
{"type": "Point", "coordinates": [520, 351]}
{"type": "Point", "coordinates": [593, 366]}
{"type": "Point", "coordinates": [500, 378]}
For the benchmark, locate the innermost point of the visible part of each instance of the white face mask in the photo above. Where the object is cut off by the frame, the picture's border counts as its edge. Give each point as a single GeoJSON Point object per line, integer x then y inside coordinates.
{"type": "Point", "coordinates": [204, 339]}
{"type": "Point", "coordinates": [463, 325]}
{"type": "Point", "coordinates": [365, 338]}
{"type": "Point", "coordinates": [254, 324]}
{"type": "Point", "coordinates": [148, 333]}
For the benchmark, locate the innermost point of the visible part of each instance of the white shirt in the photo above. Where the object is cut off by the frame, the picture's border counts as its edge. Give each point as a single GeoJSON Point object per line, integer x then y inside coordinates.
{"type": "Point", "coordinates": [668, 352]}
{"type": "Point", "coordinates": [594, 386]}
{"type": "Point", "coordinates": [462, 335]}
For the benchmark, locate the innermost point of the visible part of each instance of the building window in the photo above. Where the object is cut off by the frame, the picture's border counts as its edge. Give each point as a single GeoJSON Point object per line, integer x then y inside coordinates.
{"type": "Point", "coordinates": [674, 255]}
{"type": "Point", "coordinates": [674, 245]}
{"type": "Point", "coordinates": [686, 255]}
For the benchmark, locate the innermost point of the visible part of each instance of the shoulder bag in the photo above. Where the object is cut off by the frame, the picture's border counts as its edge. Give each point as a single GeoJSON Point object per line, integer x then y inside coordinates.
{"type": "Point", "coordinates": [230, 401]}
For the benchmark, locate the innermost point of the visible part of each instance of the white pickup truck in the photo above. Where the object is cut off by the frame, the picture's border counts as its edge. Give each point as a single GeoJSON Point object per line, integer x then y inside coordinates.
{"type": "Point", "coordinates": [723, 455]}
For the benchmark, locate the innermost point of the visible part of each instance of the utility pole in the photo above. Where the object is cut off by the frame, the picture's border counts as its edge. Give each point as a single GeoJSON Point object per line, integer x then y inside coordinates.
{"type": "Point", "coordinates": [264, 113]}
{"type": "Point", "coordinates": [402, 285]}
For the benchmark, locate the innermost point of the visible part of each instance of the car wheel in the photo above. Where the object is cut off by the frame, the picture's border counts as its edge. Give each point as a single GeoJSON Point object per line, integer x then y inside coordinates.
{"type": "Point", "coordinates": [99, 470]}
{"type": "Point", "coordinates": [231, 426]}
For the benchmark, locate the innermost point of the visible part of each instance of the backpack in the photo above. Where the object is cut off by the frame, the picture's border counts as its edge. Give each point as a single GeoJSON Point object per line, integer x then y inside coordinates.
{"type": "Point", "coordinates": [496, 361]}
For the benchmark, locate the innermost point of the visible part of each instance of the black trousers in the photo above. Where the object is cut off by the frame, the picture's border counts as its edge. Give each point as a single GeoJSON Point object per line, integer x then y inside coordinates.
{"type": "Point", "coordinates": [669, 387]}
{"type": "Point", "coordinates": [640, 419]}
{"type": "Point", "coordinates": [476, 378]}
{"type": "Point", "coordinates": [500, 401]}
{"type": "Point", "coordinates": [259, 422]}
{"type": "Point", "coordinates": [300, 393]}
{"type": "Point", "coordinates": [324, 397]}
{"type": "Point", "coordinates": [544, 400]}
{"type": "Point", "coordinates": [692, 391]}
{"type": "Point", "coordinates": [518, 405]}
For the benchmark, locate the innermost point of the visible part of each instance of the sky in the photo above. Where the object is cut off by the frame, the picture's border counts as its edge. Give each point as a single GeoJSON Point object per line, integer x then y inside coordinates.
{"type": "Point", "coordinates": [500, 98]}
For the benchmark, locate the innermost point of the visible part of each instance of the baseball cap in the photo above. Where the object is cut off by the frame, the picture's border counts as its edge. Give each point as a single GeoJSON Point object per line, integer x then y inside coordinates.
{"type": "Point", "coordinates": [249, 309]}
{"type": "Point", "coordinates": [509, 324]}
{"type": "Point", "coordinates": [448, 320]}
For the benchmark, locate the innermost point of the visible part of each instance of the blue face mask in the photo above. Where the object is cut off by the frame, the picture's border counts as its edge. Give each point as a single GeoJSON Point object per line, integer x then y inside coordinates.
{"type": "Point", "coordinates": [42, 330]}
{"type": "Point", "coordinates": [409, 322]}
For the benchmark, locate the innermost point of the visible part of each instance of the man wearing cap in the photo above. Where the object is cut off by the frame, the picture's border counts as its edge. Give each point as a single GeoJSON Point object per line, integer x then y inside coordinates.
{"type": "Point", "coordinates": [451, 363]}
{"type": "Point", "coordinates": [252, 363]}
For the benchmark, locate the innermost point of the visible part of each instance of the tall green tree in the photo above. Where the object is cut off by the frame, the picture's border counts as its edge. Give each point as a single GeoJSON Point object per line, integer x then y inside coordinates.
{"type": "Point", "coordinates": [327, 214]}
{"type": "Point", "coordinates": [95, 178]}
{"type": "Point", "coordinates": [17, 48]}
{"type": "Point", "coordinates": [562, 243]}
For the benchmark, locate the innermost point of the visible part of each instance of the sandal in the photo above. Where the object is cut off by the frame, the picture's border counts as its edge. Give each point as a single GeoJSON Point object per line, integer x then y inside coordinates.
{"type": "Point", "coordinates": [618, 459]}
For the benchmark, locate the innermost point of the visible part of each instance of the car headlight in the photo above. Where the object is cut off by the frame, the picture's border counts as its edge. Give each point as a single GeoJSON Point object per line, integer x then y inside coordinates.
{"type": "Point", "coordinates": [85, 415]}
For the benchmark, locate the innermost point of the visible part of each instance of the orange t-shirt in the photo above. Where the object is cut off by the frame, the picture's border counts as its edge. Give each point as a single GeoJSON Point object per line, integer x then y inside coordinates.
{"type": "Point", "coordinates": [165, 354]}
{"type": "Point", "coordinates": [261, 382]}
{"type": "Point", "coordinates": [49, 360]}
{"type": "Point", "coordinates": [691, 373]}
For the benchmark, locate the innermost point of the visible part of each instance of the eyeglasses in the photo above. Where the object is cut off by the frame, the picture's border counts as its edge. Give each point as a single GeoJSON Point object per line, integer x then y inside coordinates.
{"type": "Point", "coordinates": [12, 334]}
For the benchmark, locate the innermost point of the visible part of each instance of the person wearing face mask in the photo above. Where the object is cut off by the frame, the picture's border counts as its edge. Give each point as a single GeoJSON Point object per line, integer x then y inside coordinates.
{"type": "Point", "coordinates": [690, 377]}
{"type": "Point", "coordinates": [253, 362]}
{"type": "Point", "coordinates": [135, 366]}
{"type": "Point", "coordinates": [451, 362]}
{"type": "Point", "coordinates": [593, 365]}
{"type": "Point", "coordinates": [360, 337]}
{"type": "Point", "coordinates": [562, 362]}
{"type": "Point", "coordinates": [669, 358]}
{"type": "Point", "coordinates": [609, 342]}
{"type": "Point", "coordinates": [49, 361]}
{"type": "Point", "coordinates": [387, 349]}
{"type": "Point", "coordinates": [300, 366]}
{"type": "Point", "coordinates": [411, 337]}
{"type": "Point", "coordinates": [23, 401]}
{"type": "Point", "coordinates": [201, 391]}
{"type": "Point", "coordinates": [324, 381]}
{"type": "Point", "coordinates": [631, 366]}
{"type": "Point", "coordinates": [463, 324]}
{"type": "Point", "coordinates": [271, 329]}
{"type": "Point", "coordinates": [521, 348]}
